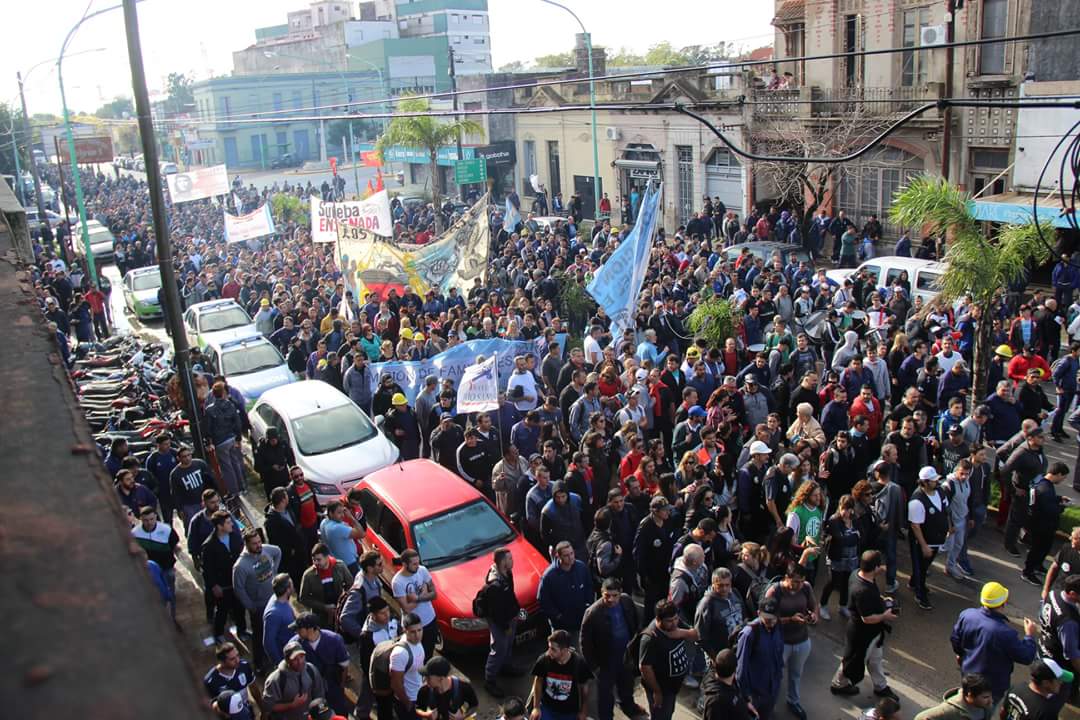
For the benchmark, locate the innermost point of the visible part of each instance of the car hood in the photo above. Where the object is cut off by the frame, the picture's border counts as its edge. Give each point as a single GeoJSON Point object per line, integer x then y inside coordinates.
{"type": "Point", "coordinates": [349, 464]}
{"type": "Point", "coordinates": [146, 297]}
{"type": "Point", "coordinates": [838, 275]}
{"type": "Point", "coordinates": [224, 336]}
{"type": "Point", "coordinates": [458, 584]}
{"type": "Point", "coordinates": [253, 385]}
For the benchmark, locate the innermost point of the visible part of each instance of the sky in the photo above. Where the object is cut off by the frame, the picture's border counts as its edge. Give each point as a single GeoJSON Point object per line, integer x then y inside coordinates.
{"type": "Point", "coordinates": [197, 37]}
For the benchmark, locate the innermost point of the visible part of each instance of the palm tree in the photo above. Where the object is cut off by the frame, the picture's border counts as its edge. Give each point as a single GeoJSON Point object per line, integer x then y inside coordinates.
{"type": "Point", "coordinates": [425, 132]}
{"type": "Point", "coordinates": [978, 266]}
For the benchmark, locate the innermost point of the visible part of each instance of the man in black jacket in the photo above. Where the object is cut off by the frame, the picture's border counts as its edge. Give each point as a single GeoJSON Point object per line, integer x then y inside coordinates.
{"type": "Point", "coordinates": [501, 614]}
{"type": "Point", "coordinates": [653, 545]}
{"type": "Point", "coordinates": [282, 531]}
{"type": "Point", "coordinates": [219, 553]}
{"type": "Point", "coordinates": [606, 630]}
{"type": "Point", "coordinates": [273, 459]}
{"type": "Point", "coordinates": [1025, 464]}
{"type": "Point", "coordinates": [723, 698]}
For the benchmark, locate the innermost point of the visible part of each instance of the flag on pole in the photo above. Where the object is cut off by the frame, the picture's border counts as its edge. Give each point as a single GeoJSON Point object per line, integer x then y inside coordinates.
{"type": "Point", "coordinates": [479, 388]}
{"type": "Point", "coordinates": [618, 282]}
{"type": "Point", "coordinates": [511, 218]}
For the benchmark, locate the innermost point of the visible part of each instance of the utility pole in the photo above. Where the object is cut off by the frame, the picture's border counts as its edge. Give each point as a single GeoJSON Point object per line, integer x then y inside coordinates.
{"type": "Point", "coordinates": [453, 90]}
{"type": "Point", "coordinates": [170, 293]}
{"type": "Point", "coordinates": [19, 190]}
{"type": "Point", "coordinates": [30, 144]}
{"type": "Point", "coordinates": [69, 247]}
{"type": "Point", "coordinates": [946, 114]}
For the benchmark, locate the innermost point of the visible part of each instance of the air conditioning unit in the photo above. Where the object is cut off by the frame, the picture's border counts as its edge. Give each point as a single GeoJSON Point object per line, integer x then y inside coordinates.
{"type": "Point", "coordinates": [932, 35]}
{"type": "Point", "coordinates": [612, 133]}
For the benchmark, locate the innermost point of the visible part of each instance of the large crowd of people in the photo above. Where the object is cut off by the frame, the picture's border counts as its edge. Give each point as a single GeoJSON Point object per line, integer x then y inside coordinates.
{"type": "Point", "coordinates": [733, 488]}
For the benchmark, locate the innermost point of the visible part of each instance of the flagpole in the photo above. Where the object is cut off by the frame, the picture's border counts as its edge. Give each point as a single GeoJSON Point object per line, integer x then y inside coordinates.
{"type": "Point", "coordinates": [498, 405]}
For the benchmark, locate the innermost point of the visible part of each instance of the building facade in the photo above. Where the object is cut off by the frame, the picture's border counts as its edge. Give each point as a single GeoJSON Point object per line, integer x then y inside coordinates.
{"type": "Point", "coordinates": [464, 24]}
{"type": "Point", "coordinates": [226, 110]}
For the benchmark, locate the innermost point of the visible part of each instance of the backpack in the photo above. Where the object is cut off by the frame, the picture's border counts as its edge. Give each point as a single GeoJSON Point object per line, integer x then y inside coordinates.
{"type": "Point", "coordinates": [481, 606]}
{"type": "Point", "coordinates": [380, 663]}
{"type": "Point", "coordinates": [632, 654]}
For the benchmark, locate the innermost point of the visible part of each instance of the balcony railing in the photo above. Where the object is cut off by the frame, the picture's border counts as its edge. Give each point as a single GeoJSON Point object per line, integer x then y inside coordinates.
{"type": "Point", "coordinates": [822, 102]}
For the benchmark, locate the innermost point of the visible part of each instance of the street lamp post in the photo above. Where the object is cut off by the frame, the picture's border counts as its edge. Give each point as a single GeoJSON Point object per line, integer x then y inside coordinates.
{"type": "Point", "coordinates": [29, 136]}
{"type": "Point", "coordinates": [592, 105]}
{"type": "Point", "coordinates": [90, 265]}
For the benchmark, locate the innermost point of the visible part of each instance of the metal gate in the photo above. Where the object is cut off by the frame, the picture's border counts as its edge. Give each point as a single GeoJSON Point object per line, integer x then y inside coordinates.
{"type": "Point", "coordinates": [723, 179]}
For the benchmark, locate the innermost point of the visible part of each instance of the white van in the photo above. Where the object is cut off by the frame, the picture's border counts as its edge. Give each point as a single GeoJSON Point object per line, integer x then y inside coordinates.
{"type": "Point", "coordinates": [924, 275]}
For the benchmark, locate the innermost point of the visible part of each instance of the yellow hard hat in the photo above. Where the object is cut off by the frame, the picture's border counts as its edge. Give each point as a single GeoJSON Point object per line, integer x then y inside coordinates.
{"type": "Point", "coordinates": [399, 399]}
{"type": "Point", "coordinates": [1004, 351]}
{"type": "Point", "coordinates": [993, 595]}
{"type": "Point", "coordinates": [419, 337]}
{"type": "Point", "coordinates": [407, 333]}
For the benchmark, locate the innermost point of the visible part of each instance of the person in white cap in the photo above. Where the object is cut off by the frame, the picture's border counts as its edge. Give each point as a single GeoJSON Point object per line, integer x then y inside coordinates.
{"type": "Point", "coordinates": [928, 515]}
{"type": "Point", "coordinates": [754, 517]}
{"type": "Point", "coordinates": [1043, 696]}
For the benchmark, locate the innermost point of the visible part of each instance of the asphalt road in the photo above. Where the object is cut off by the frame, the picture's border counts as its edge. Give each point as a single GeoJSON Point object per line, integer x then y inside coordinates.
{"type": "Point", "coordinates": [919, 659]}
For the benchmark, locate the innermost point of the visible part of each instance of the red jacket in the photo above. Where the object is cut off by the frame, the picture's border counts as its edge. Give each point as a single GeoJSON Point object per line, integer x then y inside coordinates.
{"type": "Point", "coordinates": [859, 408]}
{"type": "Point", "coordinates": [1019, 366]}
{"type": "Point", "coordinates": [96, 298]}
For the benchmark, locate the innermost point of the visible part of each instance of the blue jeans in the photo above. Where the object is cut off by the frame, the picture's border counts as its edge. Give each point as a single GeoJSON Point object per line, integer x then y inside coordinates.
{"type": "Point", "coordinates": [611, 681]}
{"type": "Point", "coordinates": [501, 647]}
{"type": "Point", "coordinates": [1064, 402]}
{"type": "Point", "coordinates": [888, 550]}
{"type": "Point", "coordinates": [978, 517]}
{"type": "Point", "coordinates": [795, 657]}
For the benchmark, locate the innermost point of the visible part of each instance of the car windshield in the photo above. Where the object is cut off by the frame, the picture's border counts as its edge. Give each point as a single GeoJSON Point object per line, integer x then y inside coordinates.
{"type": "Point", "coordinates": [457, 534]}
{"type": "Point", "coordinates": [223, 319]}
{"type": "Point", "coordinates": [251, 358]}
{"type": "Point", "coordinates": [332, 429]}
{"type": "Point", "coordinates": [146, 281]}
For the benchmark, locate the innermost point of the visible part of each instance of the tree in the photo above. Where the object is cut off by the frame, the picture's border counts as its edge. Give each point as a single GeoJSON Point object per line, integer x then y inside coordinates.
{"type": "Point", "coordinates": [563, 59]}
{"type": "Point", "coordinates": [515, 66]}
{"type": "Point", "coordinates": [427, 133]}
{"type": "Point", "coordinates": [624, 57]}
{"type": "Point", "coordinates": [127, 139]}
{"type": "Point", "coordinates": [781, 127]}
{"type": "Point", "coordinates": [11, 131]}
{"type": "Point", "coordinates": [181, 96]}
{"type": "Point", "coordinates": [118, 107]}
{"type": "Point", "coordinates": [662, 53]}
{"type": "Point", "coordinates": [978, 266]}
{"type": "Point", "coordinates": [715, 318]}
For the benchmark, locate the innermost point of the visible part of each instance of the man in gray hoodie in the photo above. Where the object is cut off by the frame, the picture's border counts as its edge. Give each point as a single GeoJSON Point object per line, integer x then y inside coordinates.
{"type": "Point", "coordinates": [253, 580]}
{"type": "Point", "coordinates": [292, 686]}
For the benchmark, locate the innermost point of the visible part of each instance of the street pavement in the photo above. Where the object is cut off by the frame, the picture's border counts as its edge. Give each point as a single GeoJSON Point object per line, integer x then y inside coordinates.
{"type": "Point", "coordinates": [919, 659]}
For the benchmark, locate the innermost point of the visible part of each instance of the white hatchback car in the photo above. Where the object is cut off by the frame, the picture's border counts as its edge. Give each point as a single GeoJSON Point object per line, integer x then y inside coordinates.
{"type": "Point", "coordinates": [251, 365]}
{"type": "Point", "coordinates": [217, 321]}
{"type": "Point", "coordinates": [334, 441]}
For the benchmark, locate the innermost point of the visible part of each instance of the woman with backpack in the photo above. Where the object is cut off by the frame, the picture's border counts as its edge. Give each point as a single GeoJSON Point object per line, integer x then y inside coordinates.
{"type": "Point", "coordinates": [842, 545]}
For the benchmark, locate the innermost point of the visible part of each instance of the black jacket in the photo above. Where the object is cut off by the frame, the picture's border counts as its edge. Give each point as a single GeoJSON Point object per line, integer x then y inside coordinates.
{"type": "Point", "coordinates": [502, 602]}
{"type": "Point", "coordinates": [266, 456]}
{"type": "Point", "coordinates": [286, 535]}
{"type": "Point", "coordinates": [596, 630]}
{"type": "Point", "coordinates": [652, 551]}
{"type": "Point", "coordinates": [217, 560]}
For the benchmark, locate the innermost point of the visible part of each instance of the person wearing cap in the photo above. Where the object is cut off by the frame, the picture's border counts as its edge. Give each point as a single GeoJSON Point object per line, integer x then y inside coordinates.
{"type": "Point", "coordinates": [1027, 360]}
{"type": "Point", "coordinates": [290, 688]}
{"type": "Point", "coordinates": [445, 440]}
{"type": "Point", "coordinates": [654, 543]}
{"type": "Point", "coordinates": [402, 427]}
{"type": "Point", "coordinates": [928, 517]}
{"type": "Point", "coordinates": [754, 516]}
{"type": "Point", "coordinates": [1043, 697]}
{"type": "Point", "coordinates": [760, 659]}
{"type": "Point", "coordinates": [444, 696]}
{"type": "Point", "coordinates": [1045, 508]}
{"type": "Point", "coordinates": [326, 650]}
{"type": "Point", "coordinates": [757, 402]}
{"type": "Point", "coordinates": [1024, 464]}
{"type": "Point", "coordinates": [264, 318]}
{"type": "Point", "coordinates": [984, 642]}
{"type": "Point", "coordinates": [232, 705]}
{"type": "Point", "coordinates": [320, 709]}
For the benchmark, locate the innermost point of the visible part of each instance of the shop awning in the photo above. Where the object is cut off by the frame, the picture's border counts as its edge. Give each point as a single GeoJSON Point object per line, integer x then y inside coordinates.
{"type": "Point", "coordinates": [1015, 209]}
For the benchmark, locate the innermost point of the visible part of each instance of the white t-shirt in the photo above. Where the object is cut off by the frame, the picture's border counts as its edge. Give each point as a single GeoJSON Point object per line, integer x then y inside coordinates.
{"type": "Point", "coordinates": [946, 363]}
{"type": "Point", "coordinates": [399, 660]}
{"type": "Point", "coordinates": [593, 354]}
{"type": "Point", "coordinates": [403, 584]}
{"type": "Point", "coordinates": [527, 382]}
{"type": "Point", "coordinates": [916, 513]}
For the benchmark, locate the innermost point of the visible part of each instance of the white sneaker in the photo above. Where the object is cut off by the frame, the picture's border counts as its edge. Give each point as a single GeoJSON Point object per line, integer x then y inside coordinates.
{"type": "Point", "coordinates": [824, 613]}
{"type": "Point", "coordinates": [691, 682]}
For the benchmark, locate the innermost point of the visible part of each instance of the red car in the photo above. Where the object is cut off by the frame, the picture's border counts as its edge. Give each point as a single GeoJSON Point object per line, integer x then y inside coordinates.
{"type": "Point", "coordinates": [422, 505]}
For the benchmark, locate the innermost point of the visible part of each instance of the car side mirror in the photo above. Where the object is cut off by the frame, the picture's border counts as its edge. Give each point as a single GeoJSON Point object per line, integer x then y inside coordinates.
{"type": "Point", "coordinates": [379, 420]}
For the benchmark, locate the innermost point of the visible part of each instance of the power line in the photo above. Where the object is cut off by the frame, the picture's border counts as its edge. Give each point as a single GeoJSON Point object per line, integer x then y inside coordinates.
{"type": "Point", "coordinates": [718, 65]}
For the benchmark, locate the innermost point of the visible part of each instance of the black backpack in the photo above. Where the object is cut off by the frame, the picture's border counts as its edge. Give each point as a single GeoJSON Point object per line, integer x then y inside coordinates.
{"type": "Point", "coordinates": [481, 606]}
{"type": "Point", "coordinates": [632, 654]}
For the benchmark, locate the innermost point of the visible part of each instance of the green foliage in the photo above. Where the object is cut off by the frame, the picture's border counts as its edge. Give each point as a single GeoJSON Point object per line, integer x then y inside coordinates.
{"type": "Point", "coordinates": [116, 108]}
{"type": "Point", "coordinates": [563, 59]}
{"type": "Point", "coordinates": [511, 67]}
{"type": "Point", "coordinates": [715, 319]}
{"type": "Point", "coordinates": [10, 128]}
{"type": "Point", "coordinates": [181, 96]}
{"type": "Point", "coordinates": [575, 303]}
{"type": "Point", "coordinates": [287, 208]}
